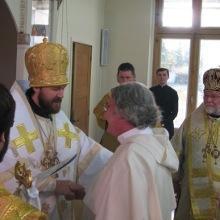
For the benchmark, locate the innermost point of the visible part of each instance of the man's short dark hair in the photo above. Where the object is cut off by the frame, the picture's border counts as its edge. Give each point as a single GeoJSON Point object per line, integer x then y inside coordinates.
{"type": "Point", "coordinates": [7, 112]}
{"type": "Point", "coordinates": [162, 69]}
{"type": "Point", "coordinates": [126, 67]}
{"type": "Point", "coordinates": [30, 92]}
{"type": "Point", "coordinates": [7, 109]}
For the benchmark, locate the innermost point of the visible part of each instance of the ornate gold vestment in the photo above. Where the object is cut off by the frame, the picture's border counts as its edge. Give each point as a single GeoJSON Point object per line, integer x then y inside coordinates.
{"type": "Point", "coordinates": [204, 171]}
{"type": "Point", "coordinates": [198, 142]}
{"type": "Point", "coordinates": [12, 207]}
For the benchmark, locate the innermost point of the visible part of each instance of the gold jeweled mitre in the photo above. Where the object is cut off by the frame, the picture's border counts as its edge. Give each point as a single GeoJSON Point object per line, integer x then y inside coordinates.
{"type": "Point", "coordinates": [46, 64]}
{"type": "Point", "coordinates": [211, 79]}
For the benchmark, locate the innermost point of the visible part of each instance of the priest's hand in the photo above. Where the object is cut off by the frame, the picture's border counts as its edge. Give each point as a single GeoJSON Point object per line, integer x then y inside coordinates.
{"type": "Point", "coordinates": [69, 189]}
{"type": "Point", "coordinates": [78, 190]}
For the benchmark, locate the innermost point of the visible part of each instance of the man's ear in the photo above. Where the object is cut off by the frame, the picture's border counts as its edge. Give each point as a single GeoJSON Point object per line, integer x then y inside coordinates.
{"type": "Point", "coordinates": [35, 95]}
{"type": "Point", "coordinates": [2, 137]}
{"type": "Point", "coordinates": [36, 89]}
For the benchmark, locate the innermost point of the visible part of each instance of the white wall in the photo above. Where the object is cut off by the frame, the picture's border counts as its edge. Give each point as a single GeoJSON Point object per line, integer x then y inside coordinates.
{"type": "Point", "coordinates": [85, 20]}
{"type": "Point", "coordinates": [14, 6]}
{"type": "Point", "coordinates": [131, 38]}
{"type": "Point", "coordinates": [22, 20]}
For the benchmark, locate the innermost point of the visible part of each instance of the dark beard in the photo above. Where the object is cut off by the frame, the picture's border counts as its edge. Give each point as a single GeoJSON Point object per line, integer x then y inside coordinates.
{"type": "Point", "coordinates": [47, 106]}
{"type": "Point", "coordinates": [5, 147]}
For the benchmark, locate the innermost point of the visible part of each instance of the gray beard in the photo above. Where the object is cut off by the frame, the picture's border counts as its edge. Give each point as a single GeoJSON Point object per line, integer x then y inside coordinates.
{"type": "Point", "coordinates": [214, 112]}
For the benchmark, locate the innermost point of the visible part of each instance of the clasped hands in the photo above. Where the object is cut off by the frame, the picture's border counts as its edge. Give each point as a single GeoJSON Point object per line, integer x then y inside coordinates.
{"type": "Point", "coordinates": [69, 189]}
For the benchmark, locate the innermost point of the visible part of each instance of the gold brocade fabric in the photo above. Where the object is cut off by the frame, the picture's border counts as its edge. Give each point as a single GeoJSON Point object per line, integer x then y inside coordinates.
{"type": "Point", "coordinates": [13, 208]}
{"type": "Point", "coordinates": [46, 64]}
{"type": "Point", "coordinates": [204, 176]}
{"type": "Point", "coordinates": [211, 79]}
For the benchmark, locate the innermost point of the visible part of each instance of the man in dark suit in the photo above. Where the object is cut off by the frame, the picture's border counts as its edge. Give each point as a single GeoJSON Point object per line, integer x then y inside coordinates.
{"type": "Point", "coordinates": [167, 99]}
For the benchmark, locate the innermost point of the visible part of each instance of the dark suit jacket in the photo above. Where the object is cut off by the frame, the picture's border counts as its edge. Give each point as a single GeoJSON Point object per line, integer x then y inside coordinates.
{"type": "Point", "coordinates": [167, 99]}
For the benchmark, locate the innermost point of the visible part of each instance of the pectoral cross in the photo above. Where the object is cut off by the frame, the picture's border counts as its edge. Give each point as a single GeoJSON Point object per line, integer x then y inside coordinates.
{"type": "Point", "coordinates": [50, 158]}
{"type": "Point", "coordinates": [25, 139]}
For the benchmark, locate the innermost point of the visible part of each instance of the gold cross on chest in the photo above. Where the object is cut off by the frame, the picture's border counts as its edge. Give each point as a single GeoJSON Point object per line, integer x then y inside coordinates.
{"type": "Point", "coordinates": [69, 135]}
{"type": "Point", "coordinates": [26, 138]}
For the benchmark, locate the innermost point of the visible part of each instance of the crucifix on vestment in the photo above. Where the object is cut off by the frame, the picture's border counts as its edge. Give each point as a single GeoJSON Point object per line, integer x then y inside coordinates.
{"type": "Point", "coordinates": [69, 135]}
{"type": "Point", "coordinates": [25, 139]}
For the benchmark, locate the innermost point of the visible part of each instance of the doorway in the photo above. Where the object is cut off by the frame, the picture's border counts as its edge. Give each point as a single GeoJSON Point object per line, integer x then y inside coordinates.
{"type": "Point", "coordinates": [81, 75]}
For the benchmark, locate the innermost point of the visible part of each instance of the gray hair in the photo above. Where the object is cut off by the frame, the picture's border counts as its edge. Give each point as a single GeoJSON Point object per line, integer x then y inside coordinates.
{"type": "Point", "coordinates": [136, 104]}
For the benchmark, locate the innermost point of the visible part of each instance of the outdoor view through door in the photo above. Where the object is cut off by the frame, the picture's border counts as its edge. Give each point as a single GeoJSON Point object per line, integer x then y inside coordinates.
{"type": "Point", "coordinates": [187, 42]}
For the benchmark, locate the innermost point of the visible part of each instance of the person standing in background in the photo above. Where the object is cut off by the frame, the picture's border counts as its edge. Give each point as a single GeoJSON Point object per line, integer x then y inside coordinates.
{"type": "Point", "coordinates": [167, 99]}
{"type": "Point", "coordinates": [126, 73]}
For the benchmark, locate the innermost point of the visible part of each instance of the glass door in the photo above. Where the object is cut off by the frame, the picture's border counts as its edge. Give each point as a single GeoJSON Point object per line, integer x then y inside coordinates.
{"type": "Point", "coordinates": [175, 57]}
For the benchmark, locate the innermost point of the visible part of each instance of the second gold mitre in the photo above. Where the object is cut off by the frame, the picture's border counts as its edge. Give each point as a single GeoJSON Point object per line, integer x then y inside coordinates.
{"type": "Point", "coordinates": [46, 64]}
{"type": "Point", "coordinates": [211, 79]}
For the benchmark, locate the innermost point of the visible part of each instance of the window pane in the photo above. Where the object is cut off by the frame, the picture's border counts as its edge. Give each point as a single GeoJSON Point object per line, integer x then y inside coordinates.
{"type": "Point", "coordinates": [40, 16]}
{"type": "Point", "coordinates": [177, 13]}
{"type": "Point", "coordinates": [175, 57]}
{"type": "Point", "coordinates": [36, 40]}
{"type": "Point", "coordinates": [40, 21]}
{"type": "Point", "coordinates": [210, 16]}
{"type": "Point", "coordinates": [209, 58]}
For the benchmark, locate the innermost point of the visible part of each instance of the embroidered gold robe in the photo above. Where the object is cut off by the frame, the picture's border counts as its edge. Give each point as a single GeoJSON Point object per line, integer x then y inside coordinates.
{"type": "Point", "coordinates": [197, 142]}
{"type": "Point", "coordinates": [12, 207]}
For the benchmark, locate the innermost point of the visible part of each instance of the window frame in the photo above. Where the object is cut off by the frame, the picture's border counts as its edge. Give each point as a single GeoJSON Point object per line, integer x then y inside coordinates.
{"type": "Point", "coordinates": [194, 34]}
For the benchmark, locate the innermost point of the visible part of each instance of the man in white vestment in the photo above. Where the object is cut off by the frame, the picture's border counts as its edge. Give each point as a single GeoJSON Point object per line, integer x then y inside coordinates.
{"type": "Point", "coordinates": [197, 142]}
{"type": "Point", "coordinates": [63, 161]}
{"type": "Point", "coordinates": [136, 183]}
{"type": "Point", "coordinates": [125, 73]}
